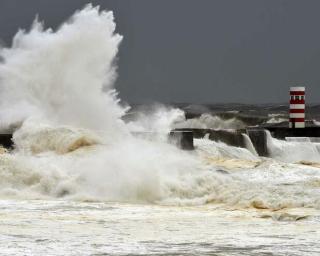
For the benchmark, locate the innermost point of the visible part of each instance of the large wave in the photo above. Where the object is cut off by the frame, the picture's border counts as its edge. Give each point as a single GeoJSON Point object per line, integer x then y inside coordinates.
{"type": "Point", "coordinates": [56, 91]}
{"type": "Point", "coordinates": [207, 121]}
{"type": "Point", "coordinates": [64, 76]}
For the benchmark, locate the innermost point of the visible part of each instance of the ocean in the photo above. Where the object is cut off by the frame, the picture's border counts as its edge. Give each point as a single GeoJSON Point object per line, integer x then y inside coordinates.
{"type": "Point", "coordinates": [80, 182]}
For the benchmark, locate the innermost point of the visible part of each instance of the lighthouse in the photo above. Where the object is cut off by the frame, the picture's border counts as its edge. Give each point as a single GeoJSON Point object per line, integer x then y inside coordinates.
{"type": "Point", "coordinates": [297, 107]}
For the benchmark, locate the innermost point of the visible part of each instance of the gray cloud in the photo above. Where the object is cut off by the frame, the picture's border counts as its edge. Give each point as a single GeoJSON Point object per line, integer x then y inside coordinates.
{"type": "Point", "coordinates": [205, 51]}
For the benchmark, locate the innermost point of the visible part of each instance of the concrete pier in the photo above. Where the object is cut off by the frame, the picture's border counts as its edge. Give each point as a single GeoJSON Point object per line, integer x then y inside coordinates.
{"type": "Point", "coordinates": [230, 137]}
{"type": "Point", "coordinates": [258, 138]}
{"type": "Point", "coordinates": [183, 138]}
{"type": "Point", "coordinates": [282, 132]}
{"type": "Point", "coordinates": [257, 135]}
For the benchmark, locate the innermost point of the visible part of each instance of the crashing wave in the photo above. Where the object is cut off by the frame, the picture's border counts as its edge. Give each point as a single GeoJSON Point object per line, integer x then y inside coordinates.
{"type": "Point", "coordinates": [36, 138]}
{"type": "Point", "coordinates": [207, 121]}
{"type": "Point", "coordinates": [293, 151]}
{"type": "Point", "coordinates": [57, 91]}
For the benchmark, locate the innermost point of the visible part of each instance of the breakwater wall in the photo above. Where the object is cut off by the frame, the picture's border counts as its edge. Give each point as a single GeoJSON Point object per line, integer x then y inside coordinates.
{"type": "Point", "coordinates": [183, 138]}
{"type": "Point", "coordinates": [234, 138]}
{"type": "Point", "coordinates": [257, 135]}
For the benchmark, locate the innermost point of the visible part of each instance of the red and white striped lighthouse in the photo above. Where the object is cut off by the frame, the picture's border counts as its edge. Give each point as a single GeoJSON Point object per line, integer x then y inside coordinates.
{"type": "Point", "coordinates": [297, 107]}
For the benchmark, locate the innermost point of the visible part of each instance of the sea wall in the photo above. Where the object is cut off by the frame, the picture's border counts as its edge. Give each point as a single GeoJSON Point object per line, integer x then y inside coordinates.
{"type": "Point", "coordinates": [183, 138]}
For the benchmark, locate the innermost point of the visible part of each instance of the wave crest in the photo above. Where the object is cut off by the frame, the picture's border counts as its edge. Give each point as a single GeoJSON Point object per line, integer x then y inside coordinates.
{"type": "Point", "coordinates": [34, 138]}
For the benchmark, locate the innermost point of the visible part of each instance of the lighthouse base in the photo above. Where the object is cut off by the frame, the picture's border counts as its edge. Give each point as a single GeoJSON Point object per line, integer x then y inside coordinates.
{"type": "Point", "coordinates": [297, 125]}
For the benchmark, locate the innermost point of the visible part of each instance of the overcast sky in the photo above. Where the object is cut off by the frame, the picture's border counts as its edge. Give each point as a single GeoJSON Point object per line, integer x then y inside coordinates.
{"type": "Point", "coordinates": [200, 51]}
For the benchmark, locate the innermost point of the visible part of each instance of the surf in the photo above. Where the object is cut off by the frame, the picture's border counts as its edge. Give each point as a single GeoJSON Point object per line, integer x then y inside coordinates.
{"type": "Point", "coordinates": [71, 140]}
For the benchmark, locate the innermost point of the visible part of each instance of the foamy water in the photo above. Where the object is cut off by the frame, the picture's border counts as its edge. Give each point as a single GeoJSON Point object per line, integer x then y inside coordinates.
{"type": "Point", "coordinates": [79, 183]}
{"type": "Point", "coordinates": [73, 228]}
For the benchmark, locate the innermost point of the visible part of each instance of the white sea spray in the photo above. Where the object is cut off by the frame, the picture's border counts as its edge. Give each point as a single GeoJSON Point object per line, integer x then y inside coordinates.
{"type": "Point", "coordinates": [56, 89]}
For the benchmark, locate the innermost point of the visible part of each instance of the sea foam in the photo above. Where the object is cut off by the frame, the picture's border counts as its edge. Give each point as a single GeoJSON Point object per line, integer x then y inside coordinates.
{"type": "Point", "coordinates": [71, 142]}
